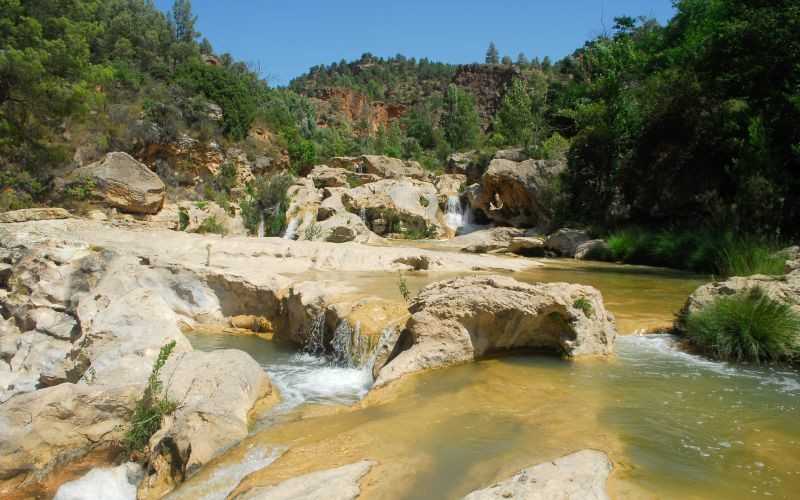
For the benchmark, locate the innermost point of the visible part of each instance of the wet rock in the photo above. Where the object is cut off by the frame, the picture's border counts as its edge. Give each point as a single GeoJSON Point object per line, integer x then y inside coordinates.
{"type": "Point", "coordinates": [340, 483]}
{"type": "Point", "coordinates": [565, 241]}
{"type": "Point", "coordinates": [122, 182]}
{"type": "Point", "coordinates": [32, 214]}
{"type": "Point", "coordinates": [463, 319]}
{"type": "Point", "coordinates": [579, 476]}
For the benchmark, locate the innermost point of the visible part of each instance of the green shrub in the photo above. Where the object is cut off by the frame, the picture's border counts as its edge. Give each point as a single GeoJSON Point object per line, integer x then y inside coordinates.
{"type": "Point", "coordinates": [312, 231]}
{"type": "Point", "coordinates": [183, 219]}
{"type": "Point", "coordinates": [402, 285]}
{"type": "Point", "coordinates": [152, 407]}
{"type": "Point", "coordinates": [267, 195]}
{"type": "Point", "coordinates": [80, 190]}
{"type": "Point", "coordinates": [748, 326]}
{"type": "Point", "coordinates": [212, 225]}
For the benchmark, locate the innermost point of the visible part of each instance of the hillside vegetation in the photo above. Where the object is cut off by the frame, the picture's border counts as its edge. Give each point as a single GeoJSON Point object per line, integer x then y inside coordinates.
{"type": "Point", "coordinates": [694, 122]}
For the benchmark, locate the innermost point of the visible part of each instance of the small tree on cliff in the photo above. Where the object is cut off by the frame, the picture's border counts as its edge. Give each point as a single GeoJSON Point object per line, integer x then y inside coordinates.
{"type": "Point", "coordinates": [459, 120]}
{"type": "Point", "coordinates": [522, 60]}
{"type": "Point", "coordinates": [492, 55]}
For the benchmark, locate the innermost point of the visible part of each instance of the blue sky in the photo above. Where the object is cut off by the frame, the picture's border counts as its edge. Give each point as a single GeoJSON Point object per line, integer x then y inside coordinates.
{"type": "Point", "coordinates": [288, 37]}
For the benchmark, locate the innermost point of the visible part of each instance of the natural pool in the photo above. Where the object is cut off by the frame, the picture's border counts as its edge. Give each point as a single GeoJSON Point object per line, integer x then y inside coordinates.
{"type": "Point", "coordinates": [676, 425]}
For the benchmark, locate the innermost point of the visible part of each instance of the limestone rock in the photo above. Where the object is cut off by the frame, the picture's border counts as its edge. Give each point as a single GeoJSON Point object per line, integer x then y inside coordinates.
{"type": "Point", "coordinates": [516, 154]}
{"type": "Point", "coordinates": [215, 392]}
{"type": "Point", "coordinates": [579, 476]}
{"type": "Point", "coordinates": [588, 248]}
{"type": "Point", "coordinates": [392, 168]}
{"type": "Point", "coordinates": [31, 214]}
{"type": "Point", "coordinates": [391, 204]}
{"type": "Point", "coordinates": [450, 184]}
{"type": "Point", "coordinates": [341, 228]}
{"type": "Point", "coordinates": [565, 241]}
{"type": "Point", "coordinates": [509, 192]}
{"type": "Point", "coordinates": [340, 483]}
{"type": "Point", "coordinates": [784, 288]}
{"type": "Point", "coordinates": [466, 164]}
{"type": "Point", "coordinates": [324, 176]}
{"type": "Point", "coordinates": [462, 319]}
{"type": "Point", "coordinates": [124, 183]}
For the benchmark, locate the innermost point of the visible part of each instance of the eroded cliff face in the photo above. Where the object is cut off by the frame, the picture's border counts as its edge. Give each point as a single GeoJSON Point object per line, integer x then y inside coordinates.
{"type": "Point", "coordinates": [353, 107]}
{"type": "Point", "coordinates": [487, 84]}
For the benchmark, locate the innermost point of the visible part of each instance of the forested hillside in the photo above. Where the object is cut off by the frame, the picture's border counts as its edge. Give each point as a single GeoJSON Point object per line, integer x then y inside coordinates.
{"type": "Point", "coordinates": [694, 121]}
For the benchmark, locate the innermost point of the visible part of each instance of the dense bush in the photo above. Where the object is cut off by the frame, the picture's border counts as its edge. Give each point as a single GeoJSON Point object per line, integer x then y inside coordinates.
{"type": "Point", "coordinates": [748, 326]}
{"type": "Point", "coordinates": [267, 197]}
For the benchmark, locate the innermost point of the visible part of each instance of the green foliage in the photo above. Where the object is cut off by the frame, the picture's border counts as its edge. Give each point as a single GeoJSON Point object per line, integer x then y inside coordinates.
{"type": "Point", "coordinates": [460, 119]}
{"type": "Point", "coordinates": [402, 285]}
{"type": "Point", "coordinates": [80, 190]}
{"type": "Point", "coordinates": [423, 201]}
{"type": "Point", "coordinates": [312, 231]}
{"type": "Point", "coordinates": [225, 88]}
{"type": "Point", "coordinates": [701, 250]}
{"type": "Point", "coordinates": [748, 326]}
{"type": "Point", "coordinates": [514, 120]}
{"type": "Point", "coordinates": [492, 54]}
{"type": "Point", "coordinates": [554, 147]}
{"type": "Point", "coordinates": [183, 219]}
{"type": "Point", "coordinates": [152, 407]}
{"type": "Point", "coordinates": [267, 196]}
{"type": "Point", "coordinates": [584, 305]}
{"type": "Point", "coordinates": [212, 225]}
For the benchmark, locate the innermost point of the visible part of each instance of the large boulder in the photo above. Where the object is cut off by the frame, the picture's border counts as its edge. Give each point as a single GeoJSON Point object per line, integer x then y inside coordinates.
{"type": "Point", "coordinates": [467, 164]}
{"type": "Point", "coordinates": [591, 249]}
{"type": "Point", "coordinates": [339, 483]}
{"type": "Point", "coordinates": [31, 214]}
{"type": "Point", "coordinates": [215, 393]}
{"type": "Point", "coordinates": [339, 228]}
{"type": "Point", "coordinates": [566, 241]}
{"type": "Point", "coordinates": [122, 182]}
{"type": "Point", "coordinates": [785, 289]}
{"type": "Point", "coordinates": [514, 154]}
{"type": "Point", "coordinates": [579, 476]}
{"type": "Point", "coordinates": [397, 206]}
{"type": "Point", "coordinates": [462, 319]}
{"type": "Point", "coordinates": [511, 193]}
{"type": "Point", "coordinates": [392, 168]}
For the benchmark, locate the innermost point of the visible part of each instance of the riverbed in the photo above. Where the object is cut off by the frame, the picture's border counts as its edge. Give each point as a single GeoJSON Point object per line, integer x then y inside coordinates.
{"type": "Point", "coordinates": [675, 424]}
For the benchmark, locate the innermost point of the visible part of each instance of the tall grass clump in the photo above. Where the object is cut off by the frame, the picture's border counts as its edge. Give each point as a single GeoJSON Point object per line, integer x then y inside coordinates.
{"type": "Point", "coordinates": [267, 196]}
{"type": "Point", "coordinates": [152, 407]}
{"type": "Point", "coordinates": [748, 326]}
{"type": "Point", "coordinates": [700, 250]}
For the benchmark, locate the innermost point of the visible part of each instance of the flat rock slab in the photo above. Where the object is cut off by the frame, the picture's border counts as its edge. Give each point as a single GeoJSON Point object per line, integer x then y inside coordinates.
{"type": "Point", "coordinates": [340, 483]}
{"type": "Point", "coordinates": [32, 214]}
{"type": "Point", "coordinates": [579, 476]}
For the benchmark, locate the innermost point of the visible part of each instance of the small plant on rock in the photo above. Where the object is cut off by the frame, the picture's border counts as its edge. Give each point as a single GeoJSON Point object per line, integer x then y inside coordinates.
{"type": "Point", "coordinates": [584, 305]}
{"type": "Point", "coordinates": [183, 219]}
{"type": "Point", "coordinates": [312, 231]}
{"type": "Point", "coordinates": [208, 255]}
{"type": "Point", "coordinates": [152, 407]}
{"type": "Point", "coordinates": [402, 285]}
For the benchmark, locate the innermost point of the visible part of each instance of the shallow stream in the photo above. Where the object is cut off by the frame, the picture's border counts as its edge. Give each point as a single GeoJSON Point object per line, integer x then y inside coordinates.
{"type": "Point", "coordinates": [676, 425]}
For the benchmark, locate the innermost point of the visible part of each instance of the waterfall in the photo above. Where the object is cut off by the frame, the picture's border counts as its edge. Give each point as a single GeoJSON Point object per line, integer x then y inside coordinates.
{"type": "Point", "coordinates": [453, 214]}
{"type": "Point", "coordinates": [382, 341]}
{"type": "Point", "coordinates": [349, 347]}
{"type": "Point", "coordinates": [315, 341]}
{"type": "Point", "coordinates": [292, 228]}
{"type": "Point", "coordinates": [262, 227]}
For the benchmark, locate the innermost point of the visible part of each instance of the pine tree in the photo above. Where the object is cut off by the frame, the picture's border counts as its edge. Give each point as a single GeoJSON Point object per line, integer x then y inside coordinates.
{"type": "Point", "coordinates": [514, 119]}
{"type": "Point", "coordinates": [522, 60]}
{"type": "Point", "coordinates": [183, 21]}
{"type": "Point", "coordinates": [492, 54]}
{"type": "Point", "coordinates": [506, 61]}
{"type": "Point", "coordinates": [460, 119]}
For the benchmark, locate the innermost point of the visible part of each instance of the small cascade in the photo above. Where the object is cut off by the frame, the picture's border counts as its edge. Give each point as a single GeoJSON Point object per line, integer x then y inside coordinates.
{"type": "Point", "coordinates": [363, 214]}
{"type": "Point", "coordinates": [262, 226]}
{"type": "Point", "coordinates": [315, 341]}
{"type": "Point", "coordinates": [382, 341]}
{"type": "Point", "coordinates": [349, 347]}
{"type": "Point", "coordinates": [453, 214]}
{"type": "Point", "coordinates": [292, 228]}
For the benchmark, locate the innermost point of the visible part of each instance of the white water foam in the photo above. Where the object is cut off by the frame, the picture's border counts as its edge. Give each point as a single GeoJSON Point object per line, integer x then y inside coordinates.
{"type": "Point", "coordinates": [262, 226]}
{"type": "Point", "coordinates": [638, 349]}
{"type": "Point", "coordinates": [107, 483]}
{"type": "Point", "coordinates": [453, 214]}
